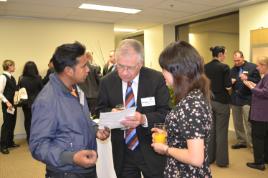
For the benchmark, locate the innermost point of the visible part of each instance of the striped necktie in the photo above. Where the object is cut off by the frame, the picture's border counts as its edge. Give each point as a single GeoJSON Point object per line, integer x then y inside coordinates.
{"type": "Point", "coordinates": [131, 138]}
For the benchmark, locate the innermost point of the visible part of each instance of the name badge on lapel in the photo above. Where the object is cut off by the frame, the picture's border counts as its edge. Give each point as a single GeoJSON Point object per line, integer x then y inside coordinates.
{"type": "Point", "coordinates": [149, 101]}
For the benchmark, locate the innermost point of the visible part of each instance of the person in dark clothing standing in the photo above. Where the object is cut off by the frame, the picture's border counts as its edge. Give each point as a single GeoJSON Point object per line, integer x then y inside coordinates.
{"type": "Point", "coordinates": [91, 85]}
{"type": "Point", "coordinates": [110, 65]}
{"type": "Point", "coordinates": [258, 116]}
{"type": "Point", "coordinates": [219, 75]}
{"type": "Point", "coordinates": [241, 98]}
{"type": "Point", "coordinates": [32, 82]}
{"type": "Point", "coordinates": [7, 91]}
{"type": "Point", "coordinates": [49, 71]}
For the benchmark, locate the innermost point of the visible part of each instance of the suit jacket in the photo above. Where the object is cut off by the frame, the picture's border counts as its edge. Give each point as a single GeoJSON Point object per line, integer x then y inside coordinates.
{"type": "Point", "coordinates": [241, 94]}
{"type": "Point", "coordinates": [107, 70]}
{"type": "Point", "coordinates": [91, 85]}
{"type": "Point", "coordinates": [151, 84]}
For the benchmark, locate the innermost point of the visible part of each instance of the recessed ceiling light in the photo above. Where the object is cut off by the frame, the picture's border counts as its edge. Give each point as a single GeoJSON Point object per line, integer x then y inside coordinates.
{"type": "Point", "coordinates": [108, 8]}
{"type": "Point", "coordinates": [3, 0]}
{"type": "Point", "coordinates": [125, 30]}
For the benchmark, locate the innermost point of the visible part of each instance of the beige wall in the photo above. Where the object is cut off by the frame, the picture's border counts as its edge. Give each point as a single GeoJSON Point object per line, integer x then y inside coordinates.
{"type": "Point", "coordinates": [251, 18]}
{"type": "Point", "coordinates": [203, 41]}
{"type": "Point", "coordinates": [35, 39]}
{"type": "Point", "coordinates": [153, 45]}
{"type": "Point", "coordinates": [155, 40]}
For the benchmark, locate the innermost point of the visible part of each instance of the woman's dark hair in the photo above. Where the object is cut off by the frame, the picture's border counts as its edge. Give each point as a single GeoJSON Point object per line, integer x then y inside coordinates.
{"type": "Point", "coordinates": [66, 55]}
{"type": "Point", "coordinates": [187, 68]}
{"type": "Point", "coordinates": [30, 69]}
{"type": "Point", "coordinates": [217, 50]}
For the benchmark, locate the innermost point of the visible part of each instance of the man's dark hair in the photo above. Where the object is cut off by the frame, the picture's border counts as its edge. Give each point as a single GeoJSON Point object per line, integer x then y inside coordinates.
{"type": "Point", "coordinates": [217, 50]}
{"type": "Point", "coordinates": [66, 55]}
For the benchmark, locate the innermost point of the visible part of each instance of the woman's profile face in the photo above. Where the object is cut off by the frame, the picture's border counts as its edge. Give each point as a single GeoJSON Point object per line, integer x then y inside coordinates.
{"type": "Point", "coordinates": [168, 77]}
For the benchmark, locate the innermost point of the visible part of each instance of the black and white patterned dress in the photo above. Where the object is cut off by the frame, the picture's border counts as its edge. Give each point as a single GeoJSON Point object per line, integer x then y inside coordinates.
{"type": "Point", "coordinates": [191, 118]}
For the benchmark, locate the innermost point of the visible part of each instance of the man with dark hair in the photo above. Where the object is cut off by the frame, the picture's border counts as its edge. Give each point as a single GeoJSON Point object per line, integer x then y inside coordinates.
{"type": "Point", "coordinates": [241, 98]}
{"type": "Point", "coordinates": [50, 70]}
{"type": "Point", "coordinates": [134, 85]}
{"type": "Point", "coordinates": [7, 92]}
{"type": "Point", "coordinates": [62, 135]}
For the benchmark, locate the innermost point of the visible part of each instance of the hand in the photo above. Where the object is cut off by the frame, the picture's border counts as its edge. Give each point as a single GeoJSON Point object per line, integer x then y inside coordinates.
{"type": "Point", "coordinates": [160, 148]}
{"type": "Point", "coordinates": [9, 105]}
{"type": "Point", "coordinates": [133, 121]}
{"type": "Point", "coordinates": [249, 84]}
{"type": "Point", "coordinates": [243, 77]}
{"type": "Point", "coordinates": [85, 158]}
{"type": "Point", "coordinates": [103, 134]}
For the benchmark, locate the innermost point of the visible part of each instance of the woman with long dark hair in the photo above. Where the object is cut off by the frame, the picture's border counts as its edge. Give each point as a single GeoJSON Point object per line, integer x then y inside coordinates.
{"type": "Point", "coordinates": [32, 82]}
{"type": "Point", "coordinates": [189, 122]}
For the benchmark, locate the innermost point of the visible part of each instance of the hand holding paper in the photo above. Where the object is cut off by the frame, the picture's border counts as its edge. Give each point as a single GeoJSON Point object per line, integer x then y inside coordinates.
{"type": "Point", "coordinates": [113, 120]}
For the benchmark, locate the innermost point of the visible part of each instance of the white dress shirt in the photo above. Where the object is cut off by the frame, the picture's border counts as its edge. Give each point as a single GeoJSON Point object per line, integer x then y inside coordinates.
{"type": "Point", "coordinates": [135, 85]}
{"type": "Point", "coordinates": [3, 81]}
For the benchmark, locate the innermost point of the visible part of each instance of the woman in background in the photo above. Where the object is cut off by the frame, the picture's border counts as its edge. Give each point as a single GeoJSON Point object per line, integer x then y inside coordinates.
{"type": "Point", "coordinates": [258, 116]}
{"type": "Point", "coordinates": [32, 82]}
{"type": "Point", "coordinates": [219, 75]}
{"type": "Point", "coordinates": [189, 122]}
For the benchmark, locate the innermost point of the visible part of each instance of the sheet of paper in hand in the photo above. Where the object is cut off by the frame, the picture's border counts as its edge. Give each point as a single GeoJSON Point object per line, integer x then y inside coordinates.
{"type": "Point", "coordinates": [112, 119]}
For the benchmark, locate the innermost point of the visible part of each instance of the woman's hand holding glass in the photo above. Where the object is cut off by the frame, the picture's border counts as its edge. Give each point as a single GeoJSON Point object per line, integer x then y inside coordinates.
{"type": "Point", "coordinates": [159, 139]}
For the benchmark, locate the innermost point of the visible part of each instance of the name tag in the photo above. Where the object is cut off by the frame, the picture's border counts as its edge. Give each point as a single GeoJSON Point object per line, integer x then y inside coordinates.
{"type": "Point", "coordinates": [149, 101]}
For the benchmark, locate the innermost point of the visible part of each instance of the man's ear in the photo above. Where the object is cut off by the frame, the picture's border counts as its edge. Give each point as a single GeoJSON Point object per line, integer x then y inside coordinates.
{"type": "Point", "coordinates": [69, 71]}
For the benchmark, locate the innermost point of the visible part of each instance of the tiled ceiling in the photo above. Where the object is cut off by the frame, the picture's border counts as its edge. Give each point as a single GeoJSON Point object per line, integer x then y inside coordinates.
{"type": "Point", "coordinates": [153, 11]}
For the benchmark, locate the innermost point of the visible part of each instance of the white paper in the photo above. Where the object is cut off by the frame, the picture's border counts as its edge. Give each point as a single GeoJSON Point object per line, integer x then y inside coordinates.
{"type": "Point", "coordinates": [112, 119]}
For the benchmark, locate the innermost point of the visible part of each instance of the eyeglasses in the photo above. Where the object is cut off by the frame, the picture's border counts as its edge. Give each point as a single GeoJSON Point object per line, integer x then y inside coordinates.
{"type": "Point", "coordinates": [121, 67]}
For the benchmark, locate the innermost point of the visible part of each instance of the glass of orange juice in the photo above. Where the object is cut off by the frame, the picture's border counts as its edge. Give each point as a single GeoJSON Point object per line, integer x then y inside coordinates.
{"type": "Point", "coordinates": [160, 136]}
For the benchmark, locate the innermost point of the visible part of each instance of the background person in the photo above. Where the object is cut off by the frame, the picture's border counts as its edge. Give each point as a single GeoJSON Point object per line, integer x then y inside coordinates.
{"type": "Point", "coordinates": [258, 116]}
{"type": "Point", "coordinates": [219, 75]}
{"type": "Point", "coordinates": [134, 85]}
{"type": "Point", "coordinates": [189, 122]}
{"type": "Point", "coordinates": [7, 92]}
{"type": "Point", "coordinates": [62, 135]}
{"type": "Point", "coordinates": [241, 98]}
{"type": "Point", "coordinates": [32, 82]}
{"type": "Point", "coordinates": [91, 85]}
{"type": "Point", "coordinates": [110, 65]}
{"type": "Point", "coordinates": [50, 70]}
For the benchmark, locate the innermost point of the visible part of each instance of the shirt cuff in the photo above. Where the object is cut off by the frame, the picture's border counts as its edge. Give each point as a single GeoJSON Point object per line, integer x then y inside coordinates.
{"type": "Point", "coordinates": [146, 121]}
{"type": "Point", "coordinates": [67, 157]}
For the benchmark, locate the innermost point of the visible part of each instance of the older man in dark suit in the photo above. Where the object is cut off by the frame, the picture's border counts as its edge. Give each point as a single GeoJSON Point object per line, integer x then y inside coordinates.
{"type": "Point", "coordinates": [134, 85]}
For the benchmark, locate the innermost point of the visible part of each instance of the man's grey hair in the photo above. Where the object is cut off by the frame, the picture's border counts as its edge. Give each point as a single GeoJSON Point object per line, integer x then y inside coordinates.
{"type": "Point", "coordinates": [125, 45]}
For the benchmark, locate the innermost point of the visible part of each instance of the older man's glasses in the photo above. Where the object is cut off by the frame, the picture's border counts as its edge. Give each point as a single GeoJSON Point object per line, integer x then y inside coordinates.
{"type": "Point", "coordinates": [121, 67]}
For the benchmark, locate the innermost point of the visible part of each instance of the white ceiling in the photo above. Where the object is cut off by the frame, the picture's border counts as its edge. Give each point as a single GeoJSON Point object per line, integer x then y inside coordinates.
{"type": "Point", "coordinates": [153, 12]}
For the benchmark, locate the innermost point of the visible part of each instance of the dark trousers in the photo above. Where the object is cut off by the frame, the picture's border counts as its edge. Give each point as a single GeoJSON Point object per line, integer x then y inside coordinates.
{"type": "Point", "coordinates": [218, 143]}
{"type": "Point", "coordinates": [52, 174]}
{"type": "Point", "coordinates": [8, 127]}
{"type": "Point", "coordinates": [27, 120]}
{"type": "Point", "coordinates": [260, 141]}
{"type": "Point", "coordinates": [134, 165]}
